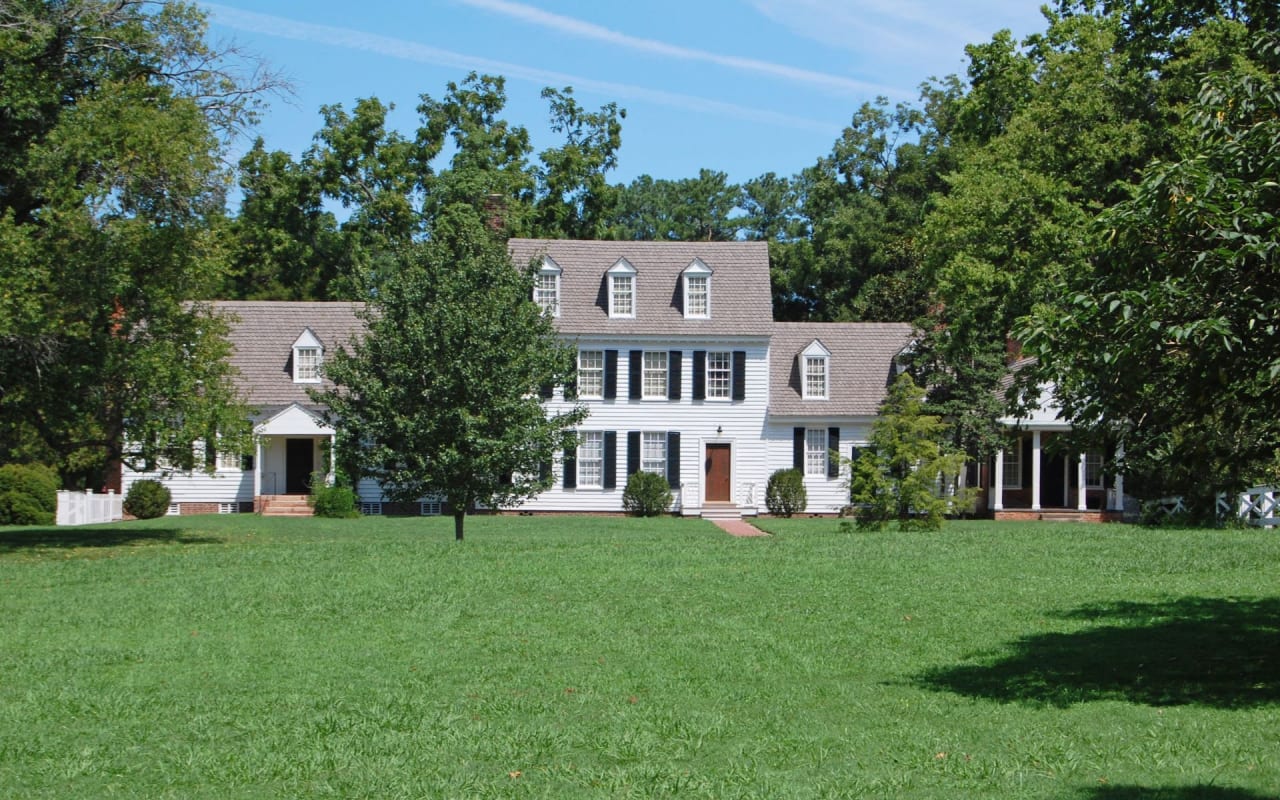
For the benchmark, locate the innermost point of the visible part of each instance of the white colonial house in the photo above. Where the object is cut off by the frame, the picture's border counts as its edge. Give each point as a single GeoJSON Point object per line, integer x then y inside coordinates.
{"type": "Point", "coordinates": [680, 364]}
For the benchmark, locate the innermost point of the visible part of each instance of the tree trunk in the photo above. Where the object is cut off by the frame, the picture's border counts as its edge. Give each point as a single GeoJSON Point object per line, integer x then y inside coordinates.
{"type": "Point", "coordinates": [458, 517]}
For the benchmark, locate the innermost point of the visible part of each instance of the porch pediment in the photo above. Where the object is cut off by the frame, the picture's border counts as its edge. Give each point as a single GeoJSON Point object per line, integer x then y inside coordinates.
{"type": "Point", "coordinates": [293, 420]}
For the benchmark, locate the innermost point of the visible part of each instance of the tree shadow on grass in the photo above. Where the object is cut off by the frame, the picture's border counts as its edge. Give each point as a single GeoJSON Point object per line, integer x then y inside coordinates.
{"type": "Point", "coordinates": [1215, 652]}
{"type": "Point", "coordinates": [12, 541]}
{"type": "Point", "coordinates": [1201, 792]}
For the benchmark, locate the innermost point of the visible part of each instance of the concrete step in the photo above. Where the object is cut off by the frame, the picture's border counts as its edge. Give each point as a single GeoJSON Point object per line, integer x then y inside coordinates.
{"type": "Point", "coordinates": [285, 505]}
{"type": "Point", "coordinates": [721, 511]}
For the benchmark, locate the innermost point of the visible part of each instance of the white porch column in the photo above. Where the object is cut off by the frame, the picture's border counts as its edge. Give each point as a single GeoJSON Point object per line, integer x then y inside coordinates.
{"type": "Point", "coordinates": [1119, 504]}
{"type": "Point", "coordinates": [257, 468]}
{"type": "Point", "coordinates": [333, 458]}
{"type": "Point", "coordinates": [1035, 470]}
{"type": "Point", "coordinates": [997, 482]}
{"type": "Point", "coordinates": [1080, 492]}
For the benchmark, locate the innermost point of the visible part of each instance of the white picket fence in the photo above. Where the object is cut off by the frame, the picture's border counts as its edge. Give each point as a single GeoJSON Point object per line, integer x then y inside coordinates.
{"type": "Point", "coordinates": [87, 508]}
{"type": "Point", "coordinates": [1257, 506]}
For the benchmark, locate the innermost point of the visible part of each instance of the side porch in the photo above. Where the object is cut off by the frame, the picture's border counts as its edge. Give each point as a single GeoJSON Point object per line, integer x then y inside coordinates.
{"type": "Point", "coordinates": [1037, 477]}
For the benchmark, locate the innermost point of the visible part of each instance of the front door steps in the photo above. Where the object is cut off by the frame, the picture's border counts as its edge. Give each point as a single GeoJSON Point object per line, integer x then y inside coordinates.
{"type": "Point", "coordinates": [284, 505]}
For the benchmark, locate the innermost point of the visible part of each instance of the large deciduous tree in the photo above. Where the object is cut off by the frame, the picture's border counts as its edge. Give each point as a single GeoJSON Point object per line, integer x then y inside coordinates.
{"type": "Point", "coordinates": [441, 396]}
{"type": "Point", "coordinates": [1170, 339]}
{"type": "Point", "coordinates": [113, 118]}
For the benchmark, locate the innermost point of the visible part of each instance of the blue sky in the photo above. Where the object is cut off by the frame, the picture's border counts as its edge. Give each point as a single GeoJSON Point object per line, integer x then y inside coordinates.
{"type": "Point", "coordinates": [742, 86]}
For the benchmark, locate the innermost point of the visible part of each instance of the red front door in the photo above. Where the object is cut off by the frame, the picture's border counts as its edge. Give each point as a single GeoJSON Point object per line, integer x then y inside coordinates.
{"type": "Point", "coordinates": [717, 473]}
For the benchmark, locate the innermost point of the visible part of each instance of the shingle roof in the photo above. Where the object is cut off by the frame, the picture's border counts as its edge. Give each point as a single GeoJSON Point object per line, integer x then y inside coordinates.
{"type": "Point", "coordinates": [860, 368]}
{"type": "Point", "coordinates": [262, 335]}
{"type": "Point", "coordinates": [741, 297]}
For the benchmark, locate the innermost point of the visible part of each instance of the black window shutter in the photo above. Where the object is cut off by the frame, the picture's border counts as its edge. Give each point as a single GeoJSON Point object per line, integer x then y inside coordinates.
{"type": "Point", "coordinates": [610, 374]}
{"type": "Point", "coordinates": [855, 453]}
{"type": "Point", "coordinates": [634, 375]}
{"type": "Point", "coordinates": [673, 374]}
{"type": "Point", "coordinates": [833, 448]}
{"type": "Point", "coordinates": [797, 448]}
{"type": "Point", "coordinates": [633, 452]}
{"type": "Point", "coordinates": [571, 468]}
{"type": "Point", "coordinates": [699, 374]}
{"type": "Point", "coordinates": [673, 459]}
{"type": "Point", "coordinates": [545, 390]}
{"type": "Point", "coordinates": [739, 374]}
{"type": "Point", "coordinates": [610, 460]}
{"type": "Point", "coordinates": [544, 473]}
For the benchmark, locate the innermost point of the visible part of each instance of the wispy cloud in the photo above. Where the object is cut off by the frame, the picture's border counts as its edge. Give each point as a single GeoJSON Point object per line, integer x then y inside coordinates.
{"type": "Point", "coordinates": [927, 33]}
{"type": "Point", "coordinates": [391, 47]}
{"type": "Point", "coordinates": [589, 30]}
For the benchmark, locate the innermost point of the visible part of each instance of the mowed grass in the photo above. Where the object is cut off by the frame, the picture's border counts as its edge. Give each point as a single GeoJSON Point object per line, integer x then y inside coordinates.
{"type": "Point", "coordinates": [226, 657]}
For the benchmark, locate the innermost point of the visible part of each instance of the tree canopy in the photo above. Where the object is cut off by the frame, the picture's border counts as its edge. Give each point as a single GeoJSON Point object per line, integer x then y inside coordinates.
{"type": "Point", "coordinates": [442, 395]}
{"type": "Point", "coordinates": [113, 118]}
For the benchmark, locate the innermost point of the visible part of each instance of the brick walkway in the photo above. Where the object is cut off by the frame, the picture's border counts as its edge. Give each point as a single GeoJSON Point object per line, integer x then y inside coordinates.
{"type": "Point", "coordinates": [736, 527]}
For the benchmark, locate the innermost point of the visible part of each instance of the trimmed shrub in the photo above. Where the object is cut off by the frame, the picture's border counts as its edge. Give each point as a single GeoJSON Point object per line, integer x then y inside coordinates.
{"type": "Point", "coordinates": [784, 495]}
{"type": "Point", "coordinates": [147, 499]}
{"type": "Point", "coordinates": [647, 494]}
{"type": "Point", "coordinates": [335, 502]}
{"type": "Point", "coordinates": [28, 494]}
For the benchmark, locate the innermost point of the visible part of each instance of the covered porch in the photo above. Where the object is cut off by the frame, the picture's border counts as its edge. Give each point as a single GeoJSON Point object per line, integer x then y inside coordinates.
{"type": "Point", "coordinates": [1038, 477]}
{"type": "Point", "coordinates": [291, 446]}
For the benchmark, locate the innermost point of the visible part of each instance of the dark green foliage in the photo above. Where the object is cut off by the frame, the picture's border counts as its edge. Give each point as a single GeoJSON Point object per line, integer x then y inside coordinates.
{"type": "Point", "coordinates": [441, 395]}
{"type": "Point", "coordinates": [336, 502]}
{"type": "Point", "coordinates": [112, 124]}
{"type": "Point", "coordinates": [785, 493]}
{"type": "Point", "coordinates": [28, 494]}
{"type": "Point", "coordinates": [897, 477]}
{"type": "Point", "coordinates": [36, 481]}
{"type": "Point", "coordinates": [647, 494]}
{"type": "Point", "coordinates": [17, 508]}
{"type": "Point", "coordinates": [147, 499]}
{"type": "Point", "coordinates": [1169, 339]}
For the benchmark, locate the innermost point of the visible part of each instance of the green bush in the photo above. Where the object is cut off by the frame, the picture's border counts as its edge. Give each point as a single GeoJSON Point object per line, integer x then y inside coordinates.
{"type": "Point", "coordinates": [336, 502]}
{"type": "Point", "coordinates": [784, 495]}
{"type": "Point", "coordinates": [147, 499]}
{"type": "Point", "coordinates": [647, 494]}
{"type": "Point", "coordinates": [28, 494]}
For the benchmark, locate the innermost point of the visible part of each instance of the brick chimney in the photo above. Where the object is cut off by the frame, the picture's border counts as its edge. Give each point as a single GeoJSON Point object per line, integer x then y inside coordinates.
{"type": "Point", "coordinates": [495, 208]}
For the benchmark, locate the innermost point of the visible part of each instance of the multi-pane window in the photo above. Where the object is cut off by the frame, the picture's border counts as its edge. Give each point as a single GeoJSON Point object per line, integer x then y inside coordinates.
{"type": "Point", "coordinates": [696, 295]}
{"type": "Point", "coordinates": [719, 374]}
{"type": "Point", "coordinates": [815, 377]}
{"type": "Point", "coordinates": [1013, 465]}
{"type": "Point", "coordinates": [306, 364]}
{"type": "Point", "coordinates": [653, 453]}
{"type": "Point", "coordinates": [654, 377]}
{"type": "Point", "coordinates": [546, 293]}
{"type": "Point", "coordinates": [590, 459]}
{"type": "Point", "coordinates": [815, 451]}
{"type": "Point", "coordinates": [622, 296]}
{"type": "Point", "coordinates": [591, 374]}
{"type": "Point", "coordinates": [1093, 470]}
{"type": "Point", "coordinates": [429, 507]}
{"type": "Point", "coordinates": [229, 459]}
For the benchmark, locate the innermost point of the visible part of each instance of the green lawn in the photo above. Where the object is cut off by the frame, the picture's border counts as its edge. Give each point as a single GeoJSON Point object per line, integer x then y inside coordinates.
{"type": "Point", "coordinates": [228, 657]}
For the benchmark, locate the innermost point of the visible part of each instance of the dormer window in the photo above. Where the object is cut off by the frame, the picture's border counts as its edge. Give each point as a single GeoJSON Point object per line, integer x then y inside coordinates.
{"type": "Point", "coordinates": [308, 355]}
{"type": "Point", "coordinates": [697, 290]}
{"type": "Point", "coordinates": [622, 289]}
{"type": "Point", "coordinates": [815, 361]}
{"type": "Point", "coordinates": [546, 288]}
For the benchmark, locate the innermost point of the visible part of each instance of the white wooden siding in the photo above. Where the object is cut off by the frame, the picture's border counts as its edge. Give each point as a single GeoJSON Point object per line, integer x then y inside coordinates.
{"type": "Point", "coordinates": [741, 425]}
{"type": "Point", "coordinates": [825, 495]}
{"type": "Point", "coordinates": [224, 486]}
